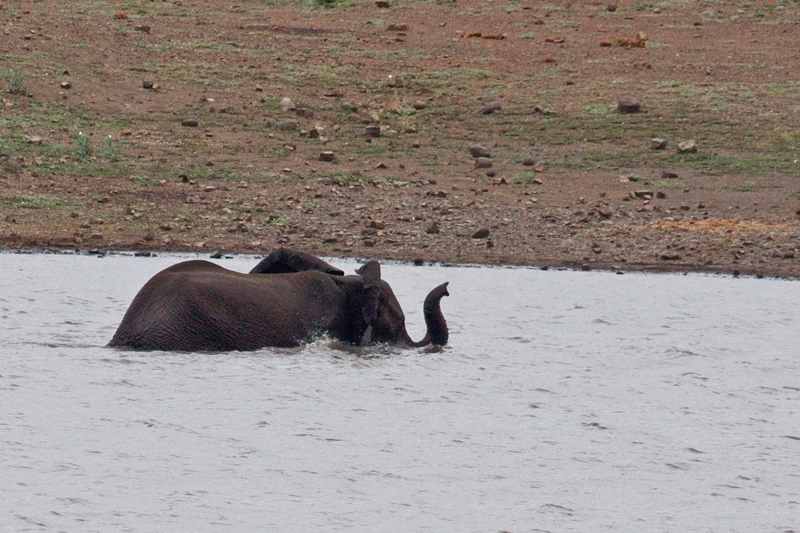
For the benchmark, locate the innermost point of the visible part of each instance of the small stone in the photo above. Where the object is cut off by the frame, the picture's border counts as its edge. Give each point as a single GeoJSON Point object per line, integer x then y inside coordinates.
{"type": "Point", "coordinates": [687, 147]}
{"type": "Point", "coordinates": [643, 194]}
{"type": "Point", "coordinates": [528, 162]}
{"type": "Point", "coordinates": [147, 84]}
{"type": "Point", "coordinates": [433, 228]}
{"type": "Point", "coordinates": [142, 28]}
{"type": "Point", "coordinates": [316, 132]}
{"type": "Point", "coordinates": [627, 104]}
{"type": "Point", "coordinates": [286, 125]}
{"type": "Point", "coordinates": [287, 105]}
{"type": "Point", "coordinates": [419, 105]}
{"type": "Point", "coordinates": [66, 85]}
{"type": "Point", "coordinates": [481, 233]}
{"type": "Point", "coordinates": [658, 144]}
{"type": "Point", "coordinates": [373, 132]}
{"type": "Point", "coordinates": [397, 27]}
{"type": "Point", "coordinates": [327, 157]}
{"type": "Point", "coordinates": [483, 162]}
{"type": "Point", "coordinates": [668, 175]}
{"type": "Point", "coordinates": [394, 81]}
{"type": "Point", "coordinates": [661, 195]}
{"type": "Point", "coordinates": [305, 112]}
{"type": "Point", "coordinates": [479, 151]}
{"type": "Point", "coordinates": [670, 257]}
{"type": "Point", "coordinates": [383, 4]}
{"type": "Point", "coordinates": [35, 140]}
{"type": "Point", "coordinates": [491, 107]}
{"type": "Point", "coordinates": [189, 123]}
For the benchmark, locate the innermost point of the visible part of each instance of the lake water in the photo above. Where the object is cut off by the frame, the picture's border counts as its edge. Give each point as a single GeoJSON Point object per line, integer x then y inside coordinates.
{"type": "Point", "coordinates": [566, 401]}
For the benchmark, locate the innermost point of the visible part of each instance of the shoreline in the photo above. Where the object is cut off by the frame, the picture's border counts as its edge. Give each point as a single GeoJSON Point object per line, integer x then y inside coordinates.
{"type": "Point", "coordinates": [543, 265]}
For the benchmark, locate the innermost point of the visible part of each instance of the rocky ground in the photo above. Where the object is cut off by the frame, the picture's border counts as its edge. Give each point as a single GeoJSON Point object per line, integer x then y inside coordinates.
{"type": "Point", "coordinates": [499, 132]}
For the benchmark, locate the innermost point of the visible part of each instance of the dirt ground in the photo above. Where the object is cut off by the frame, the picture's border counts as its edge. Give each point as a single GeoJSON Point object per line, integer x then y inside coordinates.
{"type": "Point", "coordinates": [367, 129]}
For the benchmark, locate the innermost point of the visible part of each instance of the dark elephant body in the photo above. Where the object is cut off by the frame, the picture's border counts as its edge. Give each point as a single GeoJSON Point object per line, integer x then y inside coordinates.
{"type": "Point", "coordinates": [200, 306]}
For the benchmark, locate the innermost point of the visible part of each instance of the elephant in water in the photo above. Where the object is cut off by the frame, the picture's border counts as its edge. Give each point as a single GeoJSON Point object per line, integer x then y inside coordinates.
{"type": "Point", "coordinates": [288, 298]}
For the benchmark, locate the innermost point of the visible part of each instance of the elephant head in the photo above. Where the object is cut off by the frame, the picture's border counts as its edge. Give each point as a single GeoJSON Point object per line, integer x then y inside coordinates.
{"type": "Point", "coordinates": [384, 318]}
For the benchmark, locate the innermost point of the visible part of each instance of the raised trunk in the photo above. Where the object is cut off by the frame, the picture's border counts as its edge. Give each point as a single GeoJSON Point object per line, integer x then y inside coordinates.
{"type": "Point", "coordinates": [434, 319]}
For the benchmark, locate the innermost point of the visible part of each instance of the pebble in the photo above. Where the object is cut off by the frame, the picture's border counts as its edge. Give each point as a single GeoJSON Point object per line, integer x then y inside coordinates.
{"type": "Point", "coordinates": [658, 143]}
{"type": "Point", "coordinates": [491, 107]}
{"type": "Point", "coordinates": [481, 233]}
{"type": "Point", "coordinates": [372, 132]}
{"type": "Point", "coordinates": [287, 105]}
{"type": "Point", "coordinates": [383, 4]}
{"type": "Point", "coordinates": [687, 147]}
{"type": "Point", "coordinates": [286, 125]}
{"type": "Point", "coordinates": [627, 104]}
{"type": "Point", "coordinates": [189, 122]}
{"type": "Point", "coordinates": [420, 104]}
{"type": "Point", "coordinates": [668, 175]}
{"type": "Point", "coordinates": [327, 157]}
{"type": "Point", "coordinates": [528, 162]}
{"type": "Point", "coordinates": [397, 27]}
{"type": "Point", "coordinates": [479, 151]}
{"type": "Point", "coordinates": [483, 162]}
{"type": "Point", "coordinates": [433, 228]}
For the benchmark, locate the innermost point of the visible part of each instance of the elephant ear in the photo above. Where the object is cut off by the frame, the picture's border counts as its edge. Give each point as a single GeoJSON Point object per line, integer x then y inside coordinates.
{"type": "Point", "coordinates": [284, 261]}
{"type": "Point", "coordinates": [370, 272]}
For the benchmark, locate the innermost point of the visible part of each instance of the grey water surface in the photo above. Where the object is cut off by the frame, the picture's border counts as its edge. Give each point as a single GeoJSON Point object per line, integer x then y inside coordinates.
{"type": "Point", "coordinates": [566, 401]}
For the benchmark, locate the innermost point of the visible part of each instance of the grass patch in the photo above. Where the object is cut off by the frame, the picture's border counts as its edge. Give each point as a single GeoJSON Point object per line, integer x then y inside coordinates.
{"type": "Point", "coordinates": [33, 202]}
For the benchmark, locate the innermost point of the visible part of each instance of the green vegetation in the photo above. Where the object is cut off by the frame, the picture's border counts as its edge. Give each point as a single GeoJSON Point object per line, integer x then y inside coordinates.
{"type": "Point", "coordinates": [32, 202]}
{"type": "Point", "coordinates": [16, 81]}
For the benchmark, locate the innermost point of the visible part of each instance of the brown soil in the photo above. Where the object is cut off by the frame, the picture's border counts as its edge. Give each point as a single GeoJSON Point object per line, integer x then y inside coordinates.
{"type": "Point", "coordinates": [93, 153]}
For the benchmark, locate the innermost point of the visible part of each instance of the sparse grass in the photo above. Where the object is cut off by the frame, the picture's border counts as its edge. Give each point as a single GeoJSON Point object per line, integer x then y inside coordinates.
{"type": "Point", "coordinates": [32, 202]}
{"type": "Point", "coordinates": [16, 81]}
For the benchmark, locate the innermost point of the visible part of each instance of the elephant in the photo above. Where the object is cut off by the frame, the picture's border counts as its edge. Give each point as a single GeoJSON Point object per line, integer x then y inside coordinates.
{"type": "Point", "coordinates": [289, 298]}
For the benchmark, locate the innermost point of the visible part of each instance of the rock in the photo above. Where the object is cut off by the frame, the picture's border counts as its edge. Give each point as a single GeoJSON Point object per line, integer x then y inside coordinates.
{"type": "Point", "coordinates": [287, 105]}
{"type": "Point", "coordinates": [383, 4]}
{"type": "Point", "coordinates": [394, 81]}
{"type": "Point", "coordinates": [305, 112]}
{"type": "Point", "coordinates": [35, 140]}
{"type": "Point", "coordinates": [483, 162]}
{"type": "Point", "coordinates": [328, 157]}
{"type": "Point", "coordinates": [147, 84]}
{"type": "Point", "coordinates": [66, 85]}
{"type": "Point", "coordinates": [668, 175]}
{"type": "Point", "coordinates": [661, 195]}
{"type": "Point", "coordinates": [286, 125]}
{"type": "Point", "coordinates": [627, 104]}
{"type": "Point", "coordinates": [189, 123]}
{"type": "Point", "coordinates": [397, 27]}
{"type": "Point", "coordinates": [481, 233]}
{"type": "Point", "coordinates": [142, 28]}
{"type": "Point", "coordinates": [670, 257]}
{"type": "Point", "coordinates": [528, 162]}
{"type": "Point", "coordinates": [419, 105]}
{"type": "Point", "coordinates": [433, 228]}
{"type": "Point", "coordinates": [658, 144]}
{"type": "Point", "coordinates": [491, 107]}
{"type": "Point", "coordinates": [687, 147]}
{"type": "Point", "coordinates": [373, 132]}
{"type": "Point", "coordinates": [479, 151]}
{"type": "Point", "coordinates": [316, 132]}
{"type": "Point", "coordinates": [644, 194]}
